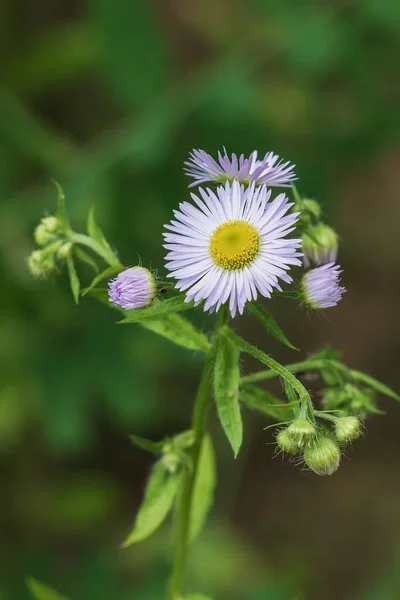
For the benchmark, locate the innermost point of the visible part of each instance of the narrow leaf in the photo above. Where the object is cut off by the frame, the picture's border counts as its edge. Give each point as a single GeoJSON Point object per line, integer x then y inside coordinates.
{"type": "Point", "coordinates": [158, 309]}
{"type": "Point", "coordinates": [61, 214]}
{"type": "Point", "coordinates": [265, 402]}
{"type": "Point", "coordinates": [95, 232]}
{"type": "Point", "coordinates": [179, 330]}
{"type": "Point", "coordinates": [269, 323]}
{"type": "Point", "coordinates": [86, 258]}
{"type": "Point", "coordinates": [73, 278]}
{"type": "Point", "coordinates": [375, 384]}
{"type": "Point", "coordinates": [158, 499]}
{"type": "Point", "coordinates": [204, 486]}
{"type": "Point", "coordinates": [109, 272]}
{"type": "Point", "coordinates": [226, 388]}
{"type": "Point", "coordinates": [145, 444]}
{"type": "Point", "coordinates": [40, 591]}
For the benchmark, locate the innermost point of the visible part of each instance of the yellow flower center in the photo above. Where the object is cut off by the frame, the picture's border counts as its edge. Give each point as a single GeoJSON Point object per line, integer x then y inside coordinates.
{"type": "Point", "coordinates": [234, 245]}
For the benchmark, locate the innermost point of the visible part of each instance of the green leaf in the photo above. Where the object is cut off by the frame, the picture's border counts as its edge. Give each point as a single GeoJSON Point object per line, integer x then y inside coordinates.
{"type": "Point", "coordinates": [61, 214]}
{"type": "Point", "coordinates": [86, 258]}
{"type": "Point", "coordinates": [204, 486]}
{"type": "Point", "coordinates": [40, 591]}
{"type": "Point", "coordinates": [95, 232]}
{"type": "Point", "coordinates": [132, 47]}
{"type": "Point", "coordinates": [226, 389]}
{"type": "Point", "coordinates": [269, 323]}
{"type": "Point", "coordinates": [159, 496]}
{"type": "Point", "coordinates": [145, 444]}
{"type": "Point", "coordinates": [109, 272]}
{"type": "Point", "coordinates": [270, 362]}
{"type": "Point", "coordinates": [158, 309]}
{"type": "Point", "coordinates": [265, 402]}
{"type": "Point", "coordinates": [73, 278]}
{"type": "Point", "coordinates": [327, 353]}
{"type": "Point", "coordinates": [375, 384]}
{"type": "Point", "coordinates": [179, 330]}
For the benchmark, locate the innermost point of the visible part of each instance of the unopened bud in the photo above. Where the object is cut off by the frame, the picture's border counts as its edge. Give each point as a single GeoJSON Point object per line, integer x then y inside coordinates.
{"type": "Point", "coordinates": [302, 432]}
{"type": "Point", "coordinates": [286, 443]}
{"type": "Point", "coordinates": [171, 462]}
{"type": "Point", "coordinates": [323, 456]}
{"type": "Point", "coordinates": [320, 245]}
{"type": "Point", "coordinates": [64, 250]}
{"type": "Point", "coordinates": [133, 288]}
{"type": "Point", "coordinates": [312, 207]}
{"type": "Point", "coordinates": [347, 429]}
{"type": "Point", "coordinates": [46, 231]}
{"type": "Point", "coordinates": [42, 264]}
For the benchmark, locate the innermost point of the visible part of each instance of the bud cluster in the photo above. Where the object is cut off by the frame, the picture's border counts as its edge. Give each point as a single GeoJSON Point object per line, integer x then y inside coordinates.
{"type": "Point", "coordinates": [319, 445]}
{"type": "Point", "coordinates": [174, 451]}
{"type": "Point", "coordinates": [53, 248]}
{"type": "Point", "coordinates": [351, 400]}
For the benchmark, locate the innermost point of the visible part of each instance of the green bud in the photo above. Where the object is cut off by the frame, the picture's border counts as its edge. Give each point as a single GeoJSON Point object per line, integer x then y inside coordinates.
{"type": "Point", "coordinates": [333, 398]}
{"type": "Point", "coordinates": [286, 443]}
{"type": "Point", "coordinates": [171, 462]}
{"type": "Point", "coordinates": [347, 429]}
{"type": "Point", "coordinates": [46, 231]}
{"type": "Point", "coordinates": [42, 264]}
{"type": "Point", "coordinates": [52, 224]}
{"type": "Point", "coordinates": [323, 457]}
{"type": "Point", "coordinates": [320, 245]}
{"type": "Point", "coordinates": [312, 207]}
{"type": "Point", "coordinates": [302, 432]}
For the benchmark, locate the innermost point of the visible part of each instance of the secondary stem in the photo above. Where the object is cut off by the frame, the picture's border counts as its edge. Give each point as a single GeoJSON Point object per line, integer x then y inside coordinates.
{"type": "Point", "coordinates": [200, 410]}
{"type": "Point", "coordinates": [307, 365]}
{"type": "Point", "coordinates": [106, 254]}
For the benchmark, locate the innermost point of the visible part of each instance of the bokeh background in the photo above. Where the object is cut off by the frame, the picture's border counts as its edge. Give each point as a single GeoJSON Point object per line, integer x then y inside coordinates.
{"type": "Point", "coordinates": [108, 98]}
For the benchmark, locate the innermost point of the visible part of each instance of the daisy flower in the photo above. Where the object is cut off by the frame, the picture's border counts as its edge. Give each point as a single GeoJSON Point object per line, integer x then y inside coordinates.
{"type": "Point", "coordinates": [133, 288]}
{"type": "Point", "coordinates": [319, 288]}
{"type": "Point", "coordinates": [231, 245]}
{"type": "Point", "coordinates": [270, 170]}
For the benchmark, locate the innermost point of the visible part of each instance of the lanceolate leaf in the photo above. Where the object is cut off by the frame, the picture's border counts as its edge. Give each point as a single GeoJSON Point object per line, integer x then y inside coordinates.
{"type": "Point", "coordinates": [269, 323]}
{"type": "Point", "coordinates": [179, 330]}
{"type": "Point", "coordinates": [95, 232]}
{"type": "Point", "coordinates": [375, 384]}
{"type": "Point", "coordinates": [226, 387]}
{"type": "Point", "coordinates": [73, 278]}
{"type": "Point", "coordinates": [158, 309]}
{"type": "Point", "coordinates": [265, 402]}
{"type": "Point", "coordinates": [204, 486]}
{"type": "Point", "coordinates": [158, 499]}
{"type": "Point", "coordinates": [40, 591]}
{"type": "Point", "coordinates": [85, 257]}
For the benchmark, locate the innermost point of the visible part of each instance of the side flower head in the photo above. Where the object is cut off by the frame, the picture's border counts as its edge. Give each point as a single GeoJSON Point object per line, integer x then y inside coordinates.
{"type": "Point", "coordinates": [270, 170]}
{"type": "Point", "coordinates": [319, 287]}
{"type": "Point", "coordinates": [323, 457]}
{"type": "Point", "coordinates": [231, 246]}
{"type": "Point", "coordinates": [133, 288]}
{"type": "Point", "coordinates": [320, 245]}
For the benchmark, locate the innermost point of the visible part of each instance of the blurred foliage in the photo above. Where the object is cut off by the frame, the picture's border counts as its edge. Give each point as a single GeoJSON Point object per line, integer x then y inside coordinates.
{"type": "Point", "coordinates": [108, 98]}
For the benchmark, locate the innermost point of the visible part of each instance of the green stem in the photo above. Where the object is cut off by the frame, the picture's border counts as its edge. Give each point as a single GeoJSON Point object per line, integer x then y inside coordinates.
{"type": "Point", "coordinates": [200, 410]}
{"type": "Point", "coordinates": [105, 253]}
{"type": "Point", "coordinates": [306, 365]}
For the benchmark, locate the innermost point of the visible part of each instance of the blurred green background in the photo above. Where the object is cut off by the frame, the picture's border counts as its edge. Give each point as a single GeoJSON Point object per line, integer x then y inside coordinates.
{"type": "Point", "coordinates": [108, 98]}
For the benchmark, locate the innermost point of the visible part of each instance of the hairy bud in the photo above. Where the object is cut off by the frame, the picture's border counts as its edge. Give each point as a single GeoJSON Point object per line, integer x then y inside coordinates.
{"type": "Point", "coordinates": [347, 429]}
{"type": "Point", "coordinates": [302, 432]}
{"type": "Point", "coordinates": [320, 245]}
{"type": "Point", "coordinates": [286, 443]}
{"type": "Point", "coordinates": [42, 264]}
{"type": "Point", "coordinates": [46, 231]}
{"type": "Point", "coordinates": [323, 456]}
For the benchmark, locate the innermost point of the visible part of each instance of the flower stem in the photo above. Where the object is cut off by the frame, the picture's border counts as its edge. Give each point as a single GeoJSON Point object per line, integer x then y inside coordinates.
{"type": "Point", "coordinates": [105, 253]}
{"type": "Point", "coordinates": [200, 410]}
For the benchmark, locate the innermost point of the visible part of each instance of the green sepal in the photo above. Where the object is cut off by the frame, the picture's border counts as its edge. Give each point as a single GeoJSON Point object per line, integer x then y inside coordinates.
{"type": "Point", "coordinates": [61, 213]}
{"type": "Point", "coordinates": [269, 323]}
{"type": "Point", "coordinates": [158, 309]}
{"type": "Point", "coordinates": [204, 486]}
{"type": "Point", "coordinates": [73, 278]}
{"type": "Point", "coordinates": [179, 330]}
{"type": "Point", "coordinates": [86, 258]}
{"type": "Point", "coordinates": [95, 232]}
{"type": "Point", "coordinates": [159, 497]}
{"type": "Point", "coordinates": [226, 389]}
{"type": "Point", "coordinates": [145, 444]}
{"type": "Point", "coordinates": [267, 403]}
{"type": "Point", "coordinates": [40, 591]}
{"type": "Point", "coordinates": [107, 273]}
